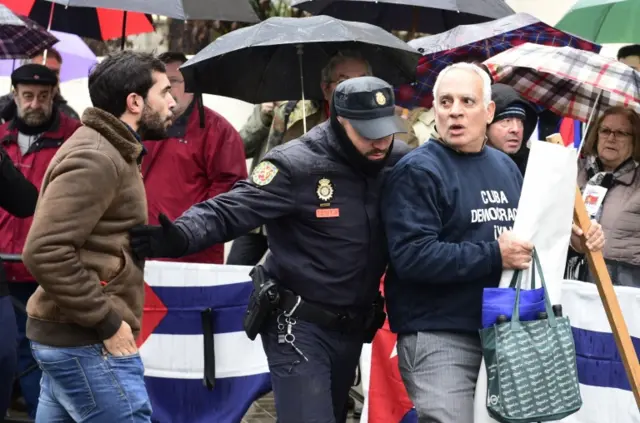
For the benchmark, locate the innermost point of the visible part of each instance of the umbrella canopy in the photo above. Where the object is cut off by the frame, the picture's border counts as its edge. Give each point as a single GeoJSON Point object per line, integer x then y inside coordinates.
{"type": "Point", "coordinates": [567, 81]}
{"type": "Point", "coordinates": [99, 24]}
{"type": "Point", "coordinates": [429, 17]}
{"type": "Point", "coordinates": [21, 37]}
{"type": "Point", "coordinates": [603, 21]}
{"type": "Point", "coordinates": [224, 10]}
{"type": "Point", "coordinates": [480, 41]}
{"type": "Point", "coordinates": [77, 58]}
{"type": "Point", "coordinates": [262, 63]}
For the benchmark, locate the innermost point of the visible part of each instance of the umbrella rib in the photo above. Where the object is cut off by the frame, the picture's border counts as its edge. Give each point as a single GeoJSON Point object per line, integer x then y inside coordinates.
{"type": "Point", "coordinates": [263, 73]}
{"type": "Point", "coordinates": [604, 16]}
{"type": "Point", "coordinates": [258, 27]}
{"type": "Point", "coordinates": [413, 76]}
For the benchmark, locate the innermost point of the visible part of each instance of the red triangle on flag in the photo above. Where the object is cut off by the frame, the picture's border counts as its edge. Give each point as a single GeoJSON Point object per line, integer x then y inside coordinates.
{"type": "Point", "coordinates": [388, 398]}
{"type": "Point", "coordinates": [154, 311]}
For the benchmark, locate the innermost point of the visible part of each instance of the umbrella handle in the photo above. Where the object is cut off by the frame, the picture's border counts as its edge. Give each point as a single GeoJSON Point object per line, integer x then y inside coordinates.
{"type": "Point", "coordinates": [44, 55]}
{"type": "Point", "coordinates": [300, 49]}
{"type": "Point", "coordinates": [588, 127]}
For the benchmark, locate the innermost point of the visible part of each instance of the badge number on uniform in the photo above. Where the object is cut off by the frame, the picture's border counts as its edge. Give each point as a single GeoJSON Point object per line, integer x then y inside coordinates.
{"type": "Point", "coordinates": [264, 173]}
{"type": "Point", "coordinates": [324, 192]}
{"type": "Point", "coordinates": [327, 213]}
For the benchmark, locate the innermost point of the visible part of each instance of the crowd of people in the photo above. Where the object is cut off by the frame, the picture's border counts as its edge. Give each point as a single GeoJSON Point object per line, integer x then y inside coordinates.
{"type": "Point", "coordinates": [196, 157]}
{"type": "Point", "coordinates": [428, 197]}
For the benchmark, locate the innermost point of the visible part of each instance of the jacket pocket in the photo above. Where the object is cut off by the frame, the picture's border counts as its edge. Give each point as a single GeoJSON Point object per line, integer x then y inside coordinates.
{"type": "Point", "coordinates": [123, 273]}
{"type": "Point", "coordinates": [126, 290]}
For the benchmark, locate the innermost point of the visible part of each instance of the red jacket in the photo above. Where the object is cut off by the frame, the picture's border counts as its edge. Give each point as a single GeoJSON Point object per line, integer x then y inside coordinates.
{"type": "Point", "coordinates": [193, 165]}
{"type": "Point", "coordinates": [33, 165]}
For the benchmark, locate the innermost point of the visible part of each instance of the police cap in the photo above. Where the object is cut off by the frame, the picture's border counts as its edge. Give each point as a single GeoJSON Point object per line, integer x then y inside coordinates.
{"type": "Point", "coordinates": [368, 104]}
{"type": "Point", "coordinates": [34, 74]}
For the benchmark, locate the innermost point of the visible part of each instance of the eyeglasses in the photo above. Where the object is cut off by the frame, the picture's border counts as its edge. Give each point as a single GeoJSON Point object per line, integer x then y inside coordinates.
{"type": "Point", "coordinates": [605, 132]}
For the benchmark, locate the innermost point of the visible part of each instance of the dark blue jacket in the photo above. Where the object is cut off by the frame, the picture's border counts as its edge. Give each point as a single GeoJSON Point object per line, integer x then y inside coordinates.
{"type": "Point", "coordinates": [443, 212]}
{"type": "Point", "coordinates": [322, 215]}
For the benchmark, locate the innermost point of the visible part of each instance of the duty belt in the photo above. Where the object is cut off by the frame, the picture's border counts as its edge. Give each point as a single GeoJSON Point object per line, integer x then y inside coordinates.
{"type": "Point", "coordinates": [344, 322]}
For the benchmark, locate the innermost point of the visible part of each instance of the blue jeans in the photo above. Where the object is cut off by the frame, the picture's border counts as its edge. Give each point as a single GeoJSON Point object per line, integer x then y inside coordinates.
{"type": "Point", "coordinates": [85, 385]}
{"type": "Point", "coordinates": [8, 357]}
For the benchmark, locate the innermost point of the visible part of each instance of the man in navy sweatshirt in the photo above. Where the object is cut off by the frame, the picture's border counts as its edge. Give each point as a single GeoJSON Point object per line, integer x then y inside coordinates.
{"type": "Point", "coordinates": [448, 208]}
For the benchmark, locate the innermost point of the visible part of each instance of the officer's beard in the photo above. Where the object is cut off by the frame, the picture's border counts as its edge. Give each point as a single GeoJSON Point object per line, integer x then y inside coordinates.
{"type": "Point", "coordinates": [355, 158]}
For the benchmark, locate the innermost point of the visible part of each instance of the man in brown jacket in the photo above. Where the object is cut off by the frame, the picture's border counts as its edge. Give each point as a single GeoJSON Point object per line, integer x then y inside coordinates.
{"type": "Point", "coordinates": [85, 315]}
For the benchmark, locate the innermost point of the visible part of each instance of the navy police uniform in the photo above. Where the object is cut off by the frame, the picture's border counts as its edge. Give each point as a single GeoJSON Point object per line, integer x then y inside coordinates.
{"type": "Point", "coordinates": [318, 197]}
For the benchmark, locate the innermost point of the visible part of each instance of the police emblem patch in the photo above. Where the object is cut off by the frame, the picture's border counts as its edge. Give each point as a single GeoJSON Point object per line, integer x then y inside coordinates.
{"type": "Point", "coordinates": [324, 191]}
{"type": "Point", "coordinates": [381, 99]}
{"type": "Point", "coordinates": [264, 173]}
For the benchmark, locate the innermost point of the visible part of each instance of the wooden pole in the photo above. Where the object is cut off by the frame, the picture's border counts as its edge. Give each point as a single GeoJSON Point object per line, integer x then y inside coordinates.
{"type": "Point", "coordinates": [607, 294]}
{"type": "Point", "coordinates": [415, 16]}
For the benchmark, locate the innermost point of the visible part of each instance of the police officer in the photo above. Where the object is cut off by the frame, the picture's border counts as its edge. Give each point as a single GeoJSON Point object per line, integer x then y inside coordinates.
{"type": "Point", "coordinates": [318, 196]}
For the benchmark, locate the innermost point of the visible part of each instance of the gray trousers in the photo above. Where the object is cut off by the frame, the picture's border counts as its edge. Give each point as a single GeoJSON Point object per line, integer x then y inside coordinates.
{"type": "Point", "coordinates": [621, 273]}
{"type": "Point", "coordinates": [439, 370]}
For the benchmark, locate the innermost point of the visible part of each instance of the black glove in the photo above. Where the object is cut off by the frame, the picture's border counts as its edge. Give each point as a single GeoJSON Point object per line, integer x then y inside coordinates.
{"type": "Point", "coordinates": [163, 241]}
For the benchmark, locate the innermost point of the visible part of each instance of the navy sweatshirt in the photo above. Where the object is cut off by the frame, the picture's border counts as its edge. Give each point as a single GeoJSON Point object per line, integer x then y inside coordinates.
{"type": "Point", "coordinates": [443, 212]}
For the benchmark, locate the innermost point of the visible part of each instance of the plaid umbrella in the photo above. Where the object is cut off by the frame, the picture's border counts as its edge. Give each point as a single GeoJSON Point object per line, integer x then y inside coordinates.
{"type": "Point", "coordinates": [567, 81]}
{"type": "Point", "coordinates": [480, 42]}
{"type": "Point", "coordinates": [21, 37]}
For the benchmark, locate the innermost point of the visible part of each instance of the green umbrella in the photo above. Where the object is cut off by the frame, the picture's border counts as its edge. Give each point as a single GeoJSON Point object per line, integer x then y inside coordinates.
{"type": "Point", "coordinates": [604, 21]}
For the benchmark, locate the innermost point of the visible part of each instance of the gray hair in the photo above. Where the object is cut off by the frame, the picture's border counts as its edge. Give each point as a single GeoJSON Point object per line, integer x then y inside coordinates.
{"type": "Point", "coordinates": [486, 81]}
{"type": "Point", "coordinates": [341, 57]}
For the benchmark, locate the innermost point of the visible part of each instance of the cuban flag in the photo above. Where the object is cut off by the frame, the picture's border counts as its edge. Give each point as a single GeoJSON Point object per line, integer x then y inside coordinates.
{"type": "Point", "coordinates": [571, 132]}
{"type": "Point", "coordinates": [606, 393]}
{"type": "Point", "coordinates": [387, 400]}
{"type": "Point", "coordinates": [605, 389]}
{"type": "Point", "coordinates": [172, 349]}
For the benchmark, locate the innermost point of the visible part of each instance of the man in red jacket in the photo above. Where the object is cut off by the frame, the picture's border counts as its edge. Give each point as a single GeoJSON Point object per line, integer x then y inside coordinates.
{"type": "Point", "coordinates": [30, 139]}
{"type": "Point", "coordinates": [202, 157]}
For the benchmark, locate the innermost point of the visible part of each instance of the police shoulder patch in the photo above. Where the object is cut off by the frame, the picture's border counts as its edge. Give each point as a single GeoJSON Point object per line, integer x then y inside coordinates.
{"type": "Point", "coordinates": [264, 173]}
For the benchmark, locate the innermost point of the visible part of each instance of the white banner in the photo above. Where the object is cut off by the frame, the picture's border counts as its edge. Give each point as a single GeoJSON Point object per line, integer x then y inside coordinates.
{"type": "Point", "coordinates": [545, 214]}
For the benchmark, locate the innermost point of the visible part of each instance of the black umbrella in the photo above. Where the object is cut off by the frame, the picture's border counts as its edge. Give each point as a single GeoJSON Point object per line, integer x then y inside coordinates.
{"type": "Point", "coordinates": [223, 10]}
{"type": "Point", "coordinates": [97, 23]}
{"type": "Point", "coordinates": [430, 17]}
{"type": "Point", "coordinates": [21, 37]}
{"type": "Point", "coordinates": [262, 62]}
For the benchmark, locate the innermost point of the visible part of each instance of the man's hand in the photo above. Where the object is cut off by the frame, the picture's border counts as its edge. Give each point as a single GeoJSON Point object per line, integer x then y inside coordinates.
{"type": "Point", "coordinates": [516, 254]}
{"type": "Point", "coordinates": [165, 240]}
{"type": "Point", "coordinates": [122, 343]}
{"type": "Point", "coordinates": [595, 239]}
{"type": "Point", "coordinates": [267, 108]}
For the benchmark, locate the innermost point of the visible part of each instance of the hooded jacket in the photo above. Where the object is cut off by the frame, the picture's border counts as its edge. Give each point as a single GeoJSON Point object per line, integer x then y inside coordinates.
{"type": "Point", "coordinates": [504, 96]}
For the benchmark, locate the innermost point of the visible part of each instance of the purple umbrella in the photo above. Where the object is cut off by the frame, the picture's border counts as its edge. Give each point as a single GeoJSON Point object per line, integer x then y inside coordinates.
{"type": "Point", "coordinates": [77, 58]}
